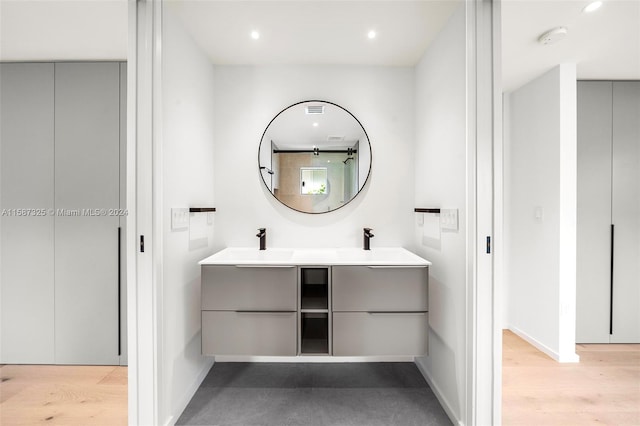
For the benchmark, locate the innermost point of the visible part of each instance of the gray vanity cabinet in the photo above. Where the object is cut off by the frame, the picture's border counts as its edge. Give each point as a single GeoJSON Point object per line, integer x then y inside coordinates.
{"type": "Point", "coordinates": [241, 288]}
{"type": "Point", "coordinates": [379, 310]}
{"type": "Point", "coordinates": [379, 333]}
{"type": "Point", "coordinates": [379, 288]}
{"type": "Point", "coordinates": [249, 310]}
{"type": "Point", "coordinates": [270, 333]}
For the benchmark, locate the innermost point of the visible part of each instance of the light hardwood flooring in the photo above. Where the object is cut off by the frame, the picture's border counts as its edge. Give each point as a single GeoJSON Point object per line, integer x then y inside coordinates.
{"type": "Point", "coordinates": [602, 389]}
{"type": "Point", "coordinates": [63, 395]}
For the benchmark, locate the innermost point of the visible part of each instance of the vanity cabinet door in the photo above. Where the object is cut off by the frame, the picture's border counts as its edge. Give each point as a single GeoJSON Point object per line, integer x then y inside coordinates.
{"type": "Point", "coordinates": [379, 288]}
{"type": "Point", "coordinates": [233, 288]}
{"type": "Point", "coordinates": [249, 333]}
{"type": "Point", "coordinates": [377, 333]}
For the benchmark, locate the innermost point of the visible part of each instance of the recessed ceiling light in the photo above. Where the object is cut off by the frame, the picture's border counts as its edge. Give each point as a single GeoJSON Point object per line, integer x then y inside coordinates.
{"type": "Point", "coordinates": [371, 34]}
{"type": "Point", "coordinates": [255, 35]}
{"type": "Point", "coordinates": [315, 124]}
{"type": "Point", "coordinates": [595, 5]}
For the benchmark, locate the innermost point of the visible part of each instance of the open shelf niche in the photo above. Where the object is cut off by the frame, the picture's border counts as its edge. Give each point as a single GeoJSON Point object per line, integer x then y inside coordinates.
{"type": "Point", "coordinates": [315, 312]}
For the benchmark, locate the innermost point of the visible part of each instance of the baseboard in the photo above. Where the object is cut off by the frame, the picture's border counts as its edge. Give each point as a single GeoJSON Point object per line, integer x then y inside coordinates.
{"type": "Point", "coordinates": [544, 348]}
{"type": "Point", "coordinates": [173, 418]}
{"type": "Point", "coordinates": [441, 398]}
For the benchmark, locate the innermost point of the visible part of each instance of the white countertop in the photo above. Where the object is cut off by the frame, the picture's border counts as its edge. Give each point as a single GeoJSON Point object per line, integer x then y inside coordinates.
{"type": "Point", "coordinates": [386, 256]}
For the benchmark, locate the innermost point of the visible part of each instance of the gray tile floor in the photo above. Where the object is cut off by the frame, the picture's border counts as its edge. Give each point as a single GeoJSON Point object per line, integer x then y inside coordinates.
{"type": "Point", "coordinates": [280, 394]}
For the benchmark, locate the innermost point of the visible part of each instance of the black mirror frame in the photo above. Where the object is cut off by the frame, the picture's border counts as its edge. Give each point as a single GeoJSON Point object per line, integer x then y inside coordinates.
{"type": "Point", "coordinates": [260, 167]}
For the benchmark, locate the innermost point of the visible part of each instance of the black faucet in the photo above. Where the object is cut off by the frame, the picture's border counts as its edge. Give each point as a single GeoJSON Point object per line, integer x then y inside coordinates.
{"type": "Point", "coordinates": [262, 234]}
{"type": "Point", "coordinates": [367, 238]}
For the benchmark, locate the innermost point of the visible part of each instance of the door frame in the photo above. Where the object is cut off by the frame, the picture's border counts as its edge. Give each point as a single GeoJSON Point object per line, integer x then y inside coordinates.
{"type": "Point", "coordinates": [483, 391]}
{"type": "Point", "coordinates": [144, 256]}
{"type": "Point", "coordinates": [144, 195]}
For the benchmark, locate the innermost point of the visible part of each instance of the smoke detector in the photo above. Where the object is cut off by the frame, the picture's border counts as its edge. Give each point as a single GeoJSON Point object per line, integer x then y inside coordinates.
{"type": "Point", "coordinates": [553, 36]}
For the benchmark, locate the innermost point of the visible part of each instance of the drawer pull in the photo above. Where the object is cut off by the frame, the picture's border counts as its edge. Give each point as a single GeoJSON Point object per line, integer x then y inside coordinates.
{"type": "Point", "coordinates": [265, 266]}
{"type": "Point", "coordinates": [266, 312]}
{"type": "Point", "coordinates": [396, 313]}
{"type": "Point", "coordinates": [395, 266]}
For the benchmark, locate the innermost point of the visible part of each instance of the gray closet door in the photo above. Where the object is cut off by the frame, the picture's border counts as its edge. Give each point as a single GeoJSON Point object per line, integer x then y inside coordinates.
{"type": "Point", "coordinates": [608, 193]}
{"type": "Point", "coordinates": [594, 212]}
{"type": "Point", "coordinates": [626, 212]}
{"type": "Point", "coordinates": [87, 134]}
{"type": "Point", "coordinates": [26, 144]}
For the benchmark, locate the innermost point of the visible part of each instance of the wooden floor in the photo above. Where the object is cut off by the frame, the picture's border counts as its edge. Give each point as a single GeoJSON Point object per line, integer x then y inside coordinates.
{"type": "Point", "coordinates": [63, 395]}
{"type": "Point", "coordinates": [602, 389]}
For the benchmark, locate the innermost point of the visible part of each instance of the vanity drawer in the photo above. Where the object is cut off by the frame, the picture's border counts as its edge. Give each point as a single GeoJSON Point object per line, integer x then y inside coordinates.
{"type": "Point", "coordinates": [232, 288]}
{"type": "Point", "coordinates": [388, 333]}
{"type": "Point", "coordinates": [375, 288]}
{"type": "Point", "coordinates": [249, 333]}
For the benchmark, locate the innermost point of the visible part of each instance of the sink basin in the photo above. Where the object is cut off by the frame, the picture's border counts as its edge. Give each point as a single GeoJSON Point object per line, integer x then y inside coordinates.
{"type": "Point", "coordinates": [245, 255]}
{"type": "Point", "coordinates": [379, 256]}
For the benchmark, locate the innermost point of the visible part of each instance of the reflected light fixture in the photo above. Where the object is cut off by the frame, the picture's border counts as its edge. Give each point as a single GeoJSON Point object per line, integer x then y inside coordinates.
{"type": "Point", "coordinates": [371, 35]}
{"type": "Point", "coordinates": [594, 5]}
{"type": "Point", "coordinates": [315, 124]}
{"type": "Point", "coordinates": [255, 35]}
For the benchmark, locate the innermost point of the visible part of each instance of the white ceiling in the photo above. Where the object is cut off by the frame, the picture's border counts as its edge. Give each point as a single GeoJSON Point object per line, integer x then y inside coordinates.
{"type": "Point", "coordinates": [604, 44]}
{"type": "Point", "coordinates": [63, 30]}
{"type": "Point", "coordinates": [313, 32]}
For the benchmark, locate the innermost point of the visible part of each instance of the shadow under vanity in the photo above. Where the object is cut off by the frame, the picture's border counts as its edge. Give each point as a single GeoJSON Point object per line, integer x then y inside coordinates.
{"type": "Point", "coordinates": [329, 302]}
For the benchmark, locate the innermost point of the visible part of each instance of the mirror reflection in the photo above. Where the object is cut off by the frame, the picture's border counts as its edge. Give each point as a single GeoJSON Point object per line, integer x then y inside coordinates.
{"type": "Point", "coordinates": [314, 157]}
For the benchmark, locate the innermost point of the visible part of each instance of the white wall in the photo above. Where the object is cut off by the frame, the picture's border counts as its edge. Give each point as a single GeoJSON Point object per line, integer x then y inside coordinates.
{"type": "Point", "coordinates": [187, 180]}
{"type": "Point", "coordinates": [440, 181]}
{"type": "Point", "coordinates": [246, 100]}
{"type": "Point", "coordinates": [540, 212]}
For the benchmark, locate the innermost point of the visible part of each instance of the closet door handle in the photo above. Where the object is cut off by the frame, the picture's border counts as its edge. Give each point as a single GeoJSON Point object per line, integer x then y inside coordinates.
{"type": "Point", "coordinates": [119, 291]}
{"type": "Point", "coordinates": [611, 283]}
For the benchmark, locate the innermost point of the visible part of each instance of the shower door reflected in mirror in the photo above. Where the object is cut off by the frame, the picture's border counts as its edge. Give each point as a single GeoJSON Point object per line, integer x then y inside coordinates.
{"type": "Point", "coordinates": [314, 157]}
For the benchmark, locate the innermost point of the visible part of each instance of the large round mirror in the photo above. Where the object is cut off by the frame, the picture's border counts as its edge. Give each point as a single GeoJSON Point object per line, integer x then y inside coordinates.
{"type": "Point", "coordinates": [314, 157]}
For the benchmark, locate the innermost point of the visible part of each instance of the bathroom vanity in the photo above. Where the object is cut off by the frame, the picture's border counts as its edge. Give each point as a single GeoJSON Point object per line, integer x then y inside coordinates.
{"type": "Point", "coordinates": [331, 302]}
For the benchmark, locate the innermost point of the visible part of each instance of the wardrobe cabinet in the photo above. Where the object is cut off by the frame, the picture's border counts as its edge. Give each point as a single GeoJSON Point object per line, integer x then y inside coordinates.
{"type": "Point", "coordinates": [61, 152]}
{"type": "Point", "coordinates": [608, 227]}
{"type": "Point", "coordinates": [26, 242]}
{"type": "Point", "coordinates": [87, 169]}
